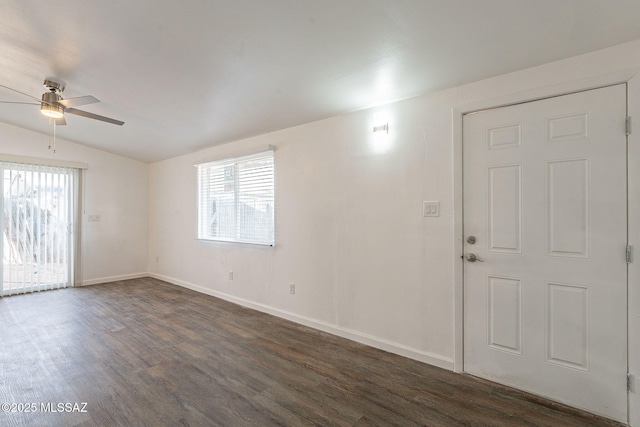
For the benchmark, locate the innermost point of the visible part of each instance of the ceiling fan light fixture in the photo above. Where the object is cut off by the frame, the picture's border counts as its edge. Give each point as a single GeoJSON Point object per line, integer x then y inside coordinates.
{"type": "Point", "coordinates": [50, 107]}
{"type": "Point", "coordinates": [52, 111]}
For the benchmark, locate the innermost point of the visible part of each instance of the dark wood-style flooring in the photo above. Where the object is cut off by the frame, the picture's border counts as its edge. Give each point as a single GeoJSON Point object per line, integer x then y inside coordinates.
{"type": "Point", "coordinates": [147, 353]}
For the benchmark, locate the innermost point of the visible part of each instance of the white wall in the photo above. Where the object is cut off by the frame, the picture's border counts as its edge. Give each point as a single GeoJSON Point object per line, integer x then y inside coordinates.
{"type": "Point", "coordinates": [350, 233]}
{"type": "Point", "coordinates": [349, 230]}
{"type": "Point", "coordinates": [116, 188]}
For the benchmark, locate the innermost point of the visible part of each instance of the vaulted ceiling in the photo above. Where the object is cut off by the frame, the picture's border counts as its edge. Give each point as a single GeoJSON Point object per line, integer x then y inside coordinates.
{"type": "Point", "coordinates": [189, 74]}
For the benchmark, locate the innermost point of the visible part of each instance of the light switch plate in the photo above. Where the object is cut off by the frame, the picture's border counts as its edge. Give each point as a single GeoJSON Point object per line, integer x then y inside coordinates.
{"type": "Point", "coordinates": [430, 208]}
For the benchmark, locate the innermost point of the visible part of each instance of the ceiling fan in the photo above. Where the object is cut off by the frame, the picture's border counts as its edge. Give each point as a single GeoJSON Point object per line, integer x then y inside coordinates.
{"type": "Point", "coordinates": [52, 104]}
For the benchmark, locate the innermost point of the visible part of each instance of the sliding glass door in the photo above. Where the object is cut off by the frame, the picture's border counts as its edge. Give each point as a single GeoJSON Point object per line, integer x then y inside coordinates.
{"type": "Point", "coordinates": [37, 211]}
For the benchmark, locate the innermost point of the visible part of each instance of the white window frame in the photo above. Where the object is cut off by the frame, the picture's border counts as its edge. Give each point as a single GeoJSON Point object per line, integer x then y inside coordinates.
{"type": "Point", "coordinates": [205, 199]}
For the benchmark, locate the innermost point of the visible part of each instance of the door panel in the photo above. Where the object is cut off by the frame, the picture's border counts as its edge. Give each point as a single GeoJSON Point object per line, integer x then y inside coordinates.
{"type": "Point", "coordinates": [505, 208]}
{"type": "Point", "coordinates": [568, 325]}
{"type": "Point", "coordinates": [505, 314]}
{"type": "Point", "coordinates": [567, 208]}
{"type": "Point", "coordinates": [545, 197]}
{"type": "Point", "coordinates": [37, 210]}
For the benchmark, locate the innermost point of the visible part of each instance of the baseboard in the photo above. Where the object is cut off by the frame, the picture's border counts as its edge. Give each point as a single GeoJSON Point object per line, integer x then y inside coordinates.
{"type": "Point", "coordinates": [391, 347]}
{"type": "Point", "coordinates": [113, 279]}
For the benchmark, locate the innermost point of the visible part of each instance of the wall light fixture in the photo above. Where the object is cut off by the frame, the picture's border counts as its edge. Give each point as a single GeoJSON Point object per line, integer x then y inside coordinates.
{"type": "Point", "coordinates": [381, 128]}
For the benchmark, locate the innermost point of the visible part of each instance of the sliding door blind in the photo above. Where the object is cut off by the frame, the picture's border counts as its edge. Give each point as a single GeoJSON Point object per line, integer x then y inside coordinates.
{"type": "Point", "coordinates": [236, 200]}
{"type": "Point", "coordinates": [37, 215]}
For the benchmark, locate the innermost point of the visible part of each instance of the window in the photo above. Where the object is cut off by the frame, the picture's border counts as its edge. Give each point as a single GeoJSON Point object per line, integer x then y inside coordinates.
{"type": "Point", "coordinates": [236, 199]}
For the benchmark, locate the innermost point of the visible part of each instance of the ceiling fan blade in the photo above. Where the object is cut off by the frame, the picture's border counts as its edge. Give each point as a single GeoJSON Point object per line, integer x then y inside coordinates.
{"type": "Point", "coordinates": [93, 116]}
{"type": "Point", "coordinates": [24, 103]}
{"type": "Point", "coordinates": [22, 93]}
{"type": "Point", "coordinates": [76, 102]}
{"type": "Point", "coordinates": [60, 122]}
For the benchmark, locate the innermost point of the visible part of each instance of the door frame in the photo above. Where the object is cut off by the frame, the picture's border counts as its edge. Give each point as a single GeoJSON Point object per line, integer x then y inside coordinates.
{"type": "Point", "coordinates": [74, 264]}
{"type": "Point", "coordinates": [632, 79]}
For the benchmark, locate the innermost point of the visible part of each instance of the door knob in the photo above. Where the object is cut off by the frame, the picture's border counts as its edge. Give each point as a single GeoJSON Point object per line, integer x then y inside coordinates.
{"type": "Point", "coordinates": [471, 257]}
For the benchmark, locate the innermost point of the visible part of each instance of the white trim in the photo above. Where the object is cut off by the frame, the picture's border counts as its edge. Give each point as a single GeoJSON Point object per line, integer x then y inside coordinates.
{"type": "Point", "coordinates": [622, 76]}
{"type": "Point", "coordinates": [245, 155]}
{"type": "Point", "coordinates": [239, 242]}
{"type": "Point", "coordinates": [458, 247]}
{"type": "Point", "coordinates": [633, 187]}
{"type": "Point", "coordinates": [391, 347]}
{"type": "Point", "coordinates": [42, 162]}
{"type": "Point", "coordinates": [110, 279]}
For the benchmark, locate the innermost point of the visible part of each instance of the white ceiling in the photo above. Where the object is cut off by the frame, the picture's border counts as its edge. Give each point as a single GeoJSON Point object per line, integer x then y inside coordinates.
{"type": "Point", "coordinates": [189, 74]}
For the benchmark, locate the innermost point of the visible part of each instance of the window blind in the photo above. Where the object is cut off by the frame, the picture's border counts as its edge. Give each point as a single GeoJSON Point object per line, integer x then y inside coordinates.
{"type": "Point", "coordinates": [236, 199]}
{"type": "Point", "coordinates": [38, 213]}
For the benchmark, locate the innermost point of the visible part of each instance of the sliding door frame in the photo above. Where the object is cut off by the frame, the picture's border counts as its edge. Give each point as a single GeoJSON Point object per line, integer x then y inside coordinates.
{"type": "Point", "coordinates": [69, 231]}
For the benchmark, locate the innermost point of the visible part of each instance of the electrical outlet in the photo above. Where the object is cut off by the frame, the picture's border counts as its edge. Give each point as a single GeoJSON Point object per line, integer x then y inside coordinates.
{"type": "Point", "coordinates": [231, 275]}
{"type": "Point", "coordinates": [292, 288]}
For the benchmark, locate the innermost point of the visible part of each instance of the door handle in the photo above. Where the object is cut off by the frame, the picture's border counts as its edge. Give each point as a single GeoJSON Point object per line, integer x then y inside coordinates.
{"type": "Point", "coordinates": [471, 257]}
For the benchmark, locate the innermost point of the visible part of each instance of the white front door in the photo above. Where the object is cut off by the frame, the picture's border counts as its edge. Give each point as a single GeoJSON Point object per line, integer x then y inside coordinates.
{"type": "Point", "coordinates": [545, 197]}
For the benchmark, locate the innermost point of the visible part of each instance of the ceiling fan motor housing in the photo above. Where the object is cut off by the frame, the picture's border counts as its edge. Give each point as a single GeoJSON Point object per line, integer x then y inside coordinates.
{"type": "Point", "coordinates": [53, 86]}
{"type": "Point", "coordinates": [50, 107]}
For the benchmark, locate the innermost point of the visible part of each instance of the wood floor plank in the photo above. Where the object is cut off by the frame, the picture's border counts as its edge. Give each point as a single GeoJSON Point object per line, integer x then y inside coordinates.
{"type": "Point", "coordinates": [143, 352]}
